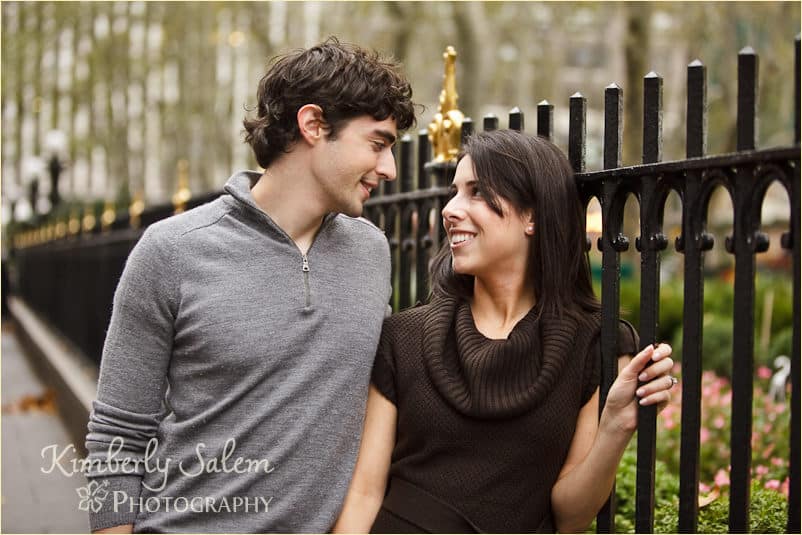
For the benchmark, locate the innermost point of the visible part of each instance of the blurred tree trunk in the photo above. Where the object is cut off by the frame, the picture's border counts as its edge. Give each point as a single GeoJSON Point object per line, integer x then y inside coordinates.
{"type": "Point", "coordinates": [468, 17]}
{"type": "Point", "coordinates": [636, 53]}
{"type": "Point", "coordinates": [406, 14]}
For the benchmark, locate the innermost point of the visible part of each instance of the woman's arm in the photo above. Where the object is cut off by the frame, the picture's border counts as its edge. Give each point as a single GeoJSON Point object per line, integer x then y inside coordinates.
{"type": "Point", "coordinates": [366, 492]}
{"type": "Point", "coordinates": [588, 473]}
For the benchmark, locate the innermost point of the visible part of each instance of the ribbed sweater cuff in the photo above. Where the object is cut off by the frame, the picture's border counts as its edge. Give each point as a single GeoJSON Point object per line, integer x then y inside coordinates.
{"type": "Point", "coordinates": [126, 512]}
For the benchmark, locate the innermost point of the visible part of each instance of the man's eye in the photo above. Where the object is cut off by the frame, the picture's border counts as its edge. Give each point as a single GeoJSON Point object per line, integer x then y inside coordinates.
{"type": "Point", "coordinates": [378, 146]}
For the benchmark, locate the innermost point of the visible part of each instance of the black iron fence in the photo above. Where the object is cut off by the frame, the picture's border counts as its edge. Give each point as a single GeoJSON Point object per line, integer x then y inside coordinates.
{"type": "Point", "coordinates": [71, 281]}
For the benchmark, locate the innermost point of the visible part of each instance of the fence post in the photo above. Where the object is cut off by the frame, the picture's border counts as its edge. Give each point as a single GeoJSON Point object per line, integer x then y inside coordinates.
{"type": "Point", "coordinates": [516, 119]}
{"type": "Point", "coordinates": [650, 243]}
{"type": "Point", "coordinates": [424, 238]}
{"type": "Point", "coordinates": [407, 210]}
{"type": "Point", "coordinates": [740, 244]}
{"type": "Point", "coordinates": [612, 243]}
{"type": "Point", "coordinates": [690, 244]}
{"type": "Point", "coordinates": [793, 468]}
{"type": "Point", "coordinates": [545, 120]}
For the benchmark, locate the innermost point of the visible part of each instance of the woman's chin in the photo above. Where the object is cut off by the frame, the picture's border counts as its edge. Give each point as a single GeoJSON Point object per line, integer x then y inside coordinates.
{"type": "Point", "coordinates": [461, 269]}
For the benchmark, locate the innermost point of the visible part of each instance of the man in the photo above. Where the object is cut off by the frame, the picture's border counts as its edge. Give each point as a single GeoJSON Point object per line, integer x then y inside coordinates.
{"type": "Point", "coordinates": [236, 365]}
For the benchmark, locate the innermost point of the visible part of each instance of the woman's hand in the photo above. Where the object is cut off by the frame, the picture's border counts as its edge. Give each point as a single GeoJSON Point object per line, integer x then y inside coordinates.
{"type": "Point", "coordinates": [645, 381]}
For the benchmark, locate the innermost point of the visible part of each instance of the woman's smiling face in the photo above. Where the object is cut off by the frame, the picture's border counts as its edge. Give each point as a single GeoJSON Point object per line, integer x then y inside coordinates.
{"type": "Point", "coordinates": [482, 240]}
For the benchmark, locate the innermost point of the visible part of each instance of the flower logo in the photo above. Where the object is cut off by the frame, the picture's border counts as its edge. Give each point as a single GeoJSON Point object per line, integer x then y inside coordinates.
{"type": "Point", "coordinates": [92, 496]}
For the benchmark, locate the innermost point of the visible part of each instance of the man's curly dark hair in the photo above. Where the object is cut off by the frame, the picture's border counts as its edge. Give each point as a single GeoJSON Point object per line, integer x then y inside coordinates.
{"type": "Point", "coordinates": [345, 80]}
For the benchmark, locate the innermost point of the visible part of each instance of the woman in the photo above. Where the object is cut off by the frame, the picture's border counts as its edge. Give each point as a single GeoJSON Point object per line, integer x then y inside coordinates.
{"type": "Point", "coordinates": [483, 412]}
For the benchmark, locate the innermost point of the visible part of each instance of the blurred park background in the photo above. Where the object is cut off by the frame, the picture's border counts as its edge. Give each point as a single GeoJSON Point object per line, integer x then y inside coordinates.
{"type": "Point", "coordinates": [110, 104]}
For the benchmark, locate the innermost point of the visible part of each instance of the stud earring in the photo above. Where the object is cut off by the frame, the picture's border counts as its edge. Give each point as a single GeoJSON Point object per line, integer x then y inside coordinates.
{"type": "Point", "coordinates": [530, 229]}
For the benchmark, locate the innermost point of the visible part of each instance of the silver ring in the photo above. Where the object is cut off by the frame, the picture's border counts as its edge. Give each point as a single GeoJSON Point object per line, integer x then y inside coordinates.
{"type": "Point", "coordinates": [674, 381]}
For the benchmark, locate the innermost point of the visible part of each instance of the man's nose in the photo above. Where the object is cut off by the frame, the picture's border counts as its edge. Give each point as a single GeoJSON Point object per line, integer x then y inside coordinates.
{"type": "Point", "coordinates": [385, 167]}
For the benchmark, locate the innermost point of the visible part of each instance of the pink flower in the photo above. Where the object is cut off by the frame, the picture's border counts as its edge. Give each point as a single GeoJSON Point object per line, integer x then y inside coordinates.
{"type": "Point", "coordinates": [669, 423]}
{"type": "Point", "coordinates": [763, 372]}
{"type": "Point", "coordinates": [773, 484]}
{"type": "Point", "coordinates": [726, 398]}
{"type": "Point", "coordinates": [719, 422]}
{"type": "Point", "coordinates": [761, 470]}
{"type": "Point", "coordinates": [767, 427]}
{"type": "Point", "coordinates": [784, 487]}
{"type": "Point", "coordinates": [767, 452]}
{"type": "Point", "coordinates": [776, 461]}
{"type": "Point", "coordinates": [704, 435]}
{"type": "Point", "coordinates": [722, 478]}
{"type": "Point", "coordinates": [703, 488]}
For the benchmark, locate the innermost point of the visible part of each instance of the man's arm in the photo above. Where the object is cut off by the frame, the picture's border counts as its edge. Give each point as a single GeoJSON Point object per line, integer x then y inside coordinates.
{"type": "Point", "coordinates": [133, 374]}
{"type": "Point", "coordinates": [366, 491]}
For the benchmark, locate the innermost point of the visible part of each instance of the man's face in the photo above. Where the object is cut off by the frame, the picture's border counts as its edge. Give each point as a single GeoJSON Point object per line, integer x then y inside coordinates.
{"type": "Point", "coordinates": [354, 163]}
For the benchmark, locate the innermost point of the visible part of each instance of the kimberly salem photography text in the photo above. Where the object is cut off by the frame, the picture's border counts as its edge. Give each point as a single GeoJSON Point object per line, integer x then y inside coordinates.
{"type": "Point", "coordinates": [117, 462]}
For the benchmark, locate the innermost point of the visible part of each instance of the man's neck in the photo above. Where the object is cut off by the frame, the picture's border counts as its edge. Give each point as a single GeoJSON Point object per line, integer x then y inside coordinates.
{"type": "Point", "coordinates": [287, 196]}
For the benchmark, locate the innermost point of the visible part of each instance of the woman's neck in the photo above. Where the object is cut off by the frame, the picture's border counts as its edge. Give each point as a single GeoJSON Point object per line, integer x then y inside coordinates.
{"type": "Point", "coordinates": [498, 306]}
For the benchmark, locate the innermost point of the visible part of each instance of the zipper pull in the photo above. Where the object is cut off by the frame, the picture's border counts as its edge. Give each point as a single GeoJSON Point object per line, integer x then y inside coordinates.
{"type": "Point", "coordinates": [305, 267]}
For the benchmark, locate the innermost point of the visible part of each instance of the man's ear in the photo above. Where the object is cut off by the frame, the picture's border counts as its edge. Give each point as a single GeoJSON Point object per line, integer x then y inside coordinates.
{"type": "Point", "coordinates": [311, 124]}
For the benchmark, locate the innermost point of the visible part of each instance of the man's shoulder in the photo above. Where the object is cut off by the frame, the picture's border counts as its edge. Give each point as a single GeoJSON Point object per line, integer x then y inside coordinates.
{"type": "Point", "coordinates": [177, 226]}
{"type": "Point", "coordinates": [361, 230]}
{"type": "Point", "coordinates": [359, 225]}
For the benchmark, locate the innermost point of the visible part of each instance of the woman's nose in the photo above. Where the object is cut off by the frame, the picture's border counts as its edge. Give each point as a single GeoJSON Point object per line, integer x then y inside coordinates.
{"type": "Point", "coordinates": [453, 211]}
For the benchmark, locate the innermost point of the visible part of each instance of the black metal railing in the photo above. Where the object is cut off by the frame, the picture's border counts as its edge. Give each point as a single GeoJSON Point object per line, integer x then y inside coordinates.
{"type": "Point", "coordinates": [71, 281]}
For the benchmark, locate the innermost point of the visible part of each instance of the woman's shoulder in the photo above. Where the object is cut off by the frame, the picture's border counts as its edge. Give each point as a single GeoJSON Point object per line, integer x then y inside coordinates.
{"type": "Point", "coordinates": [408, 320]}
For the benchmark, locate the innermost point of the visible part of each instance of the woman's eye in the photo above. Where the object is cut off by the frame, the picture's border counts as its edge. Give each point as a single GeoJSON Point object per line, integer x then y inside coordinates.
{"type": "Point", "coordinates": [476, 192]}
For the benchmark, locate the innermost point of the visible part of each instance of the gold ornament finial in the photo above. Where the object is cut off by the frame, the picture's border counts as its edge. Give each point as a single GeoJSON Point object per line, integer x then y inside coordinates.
{"type": "Point", "coordinates": [182, 195]}
{"type": "Point", "coordinates": [108, 216]}
{"type": "Point", "coordinates": [446, 128]}
{"type": "Point", "coordinates": [74, 224]}
{"type": "Point", "coordinates": [136, 209]}
{"type": "Point", "coordinates": [89, 221]}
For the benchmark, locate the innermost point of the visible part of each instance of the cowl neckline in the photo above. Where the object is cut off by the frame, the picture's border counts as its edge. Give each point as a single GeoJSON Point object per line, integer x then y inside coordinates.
{"type": "Point", "coordinates": [493, 379]}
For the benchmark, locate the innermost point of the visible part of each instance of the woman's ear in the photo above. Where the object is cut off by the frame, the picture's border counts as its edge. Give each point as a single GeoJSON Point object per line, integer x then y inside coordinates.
{"type": "Point", "coordinates": [311, 124]}
{"type": "Point", "coordinates": [529, 220]}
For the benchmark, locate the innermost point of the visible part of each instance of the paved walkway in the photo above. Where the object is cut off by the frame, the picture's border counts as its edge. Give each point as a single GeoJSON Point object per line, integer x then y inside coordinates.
{"type": "Point", "coordinates": [34, 501]}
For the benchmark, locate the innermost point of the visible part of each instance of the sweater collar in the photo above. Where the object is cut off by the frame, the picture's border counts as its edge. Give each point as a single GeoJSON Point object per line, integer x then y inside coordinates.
{"type": "Point", "coordinates": [487, 378]}
{"type": "Point", "coordinates": [239, 187]}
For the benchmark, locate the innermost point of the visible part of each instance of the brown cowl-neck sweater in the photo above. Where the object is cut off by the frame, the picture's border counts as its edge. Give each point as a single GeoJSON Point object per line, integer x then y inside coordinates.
{"type": "Point", "coordinates": [485, 425]}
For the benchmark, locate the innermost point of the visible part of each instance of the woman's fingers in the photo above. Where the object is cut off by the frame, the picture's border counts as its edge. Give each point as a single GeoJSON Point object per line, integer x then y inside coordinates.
{"type": "Point", "coordinates": [658, 368]}
{"type": "Point", "coordinates": [661, 397]}
{"type": "Point", "coordinates": [659, 384]}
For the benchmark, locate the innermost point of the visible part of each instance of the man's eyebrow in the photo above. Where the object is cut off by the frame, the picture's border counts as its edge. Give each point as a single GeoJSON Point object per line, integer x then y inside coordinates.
{"type": "Point", "coordinates": [385, 134]}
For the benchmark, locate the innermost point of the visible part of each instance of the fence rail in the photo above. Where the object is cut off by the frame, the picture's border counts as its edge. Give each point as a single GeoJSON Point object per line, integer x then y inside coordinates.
{"type": "Point", "coordinates": [71, 281]}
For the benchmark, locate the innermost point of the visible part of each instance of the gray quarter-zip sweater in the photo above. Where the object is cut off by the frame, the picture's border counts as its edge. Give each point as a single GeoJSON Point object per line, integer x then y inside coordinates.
{"type": "Point", "coordinates": [235, 372]}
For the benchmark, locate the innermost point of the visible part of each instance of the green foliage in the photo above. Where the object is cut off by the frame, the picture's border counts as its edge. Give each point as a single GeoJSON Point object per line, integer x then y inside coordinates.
{"type": "Point", "coordinates": [767, 513]}
{"type": "Point", "coordinates": [768, 510]}
{"type": "Point", "coordinates": [718, 309]}
{"type": "Point", "coordinates": [770, 456]}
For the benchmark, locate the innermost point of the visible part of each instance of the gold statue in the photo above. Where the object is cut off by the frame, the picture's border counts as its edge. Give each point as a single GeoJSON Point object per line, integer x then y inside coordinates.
{"type": "Point", "coordinates": [446, 127]}
{"type": "Point", "coordinates": [183, 195]}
